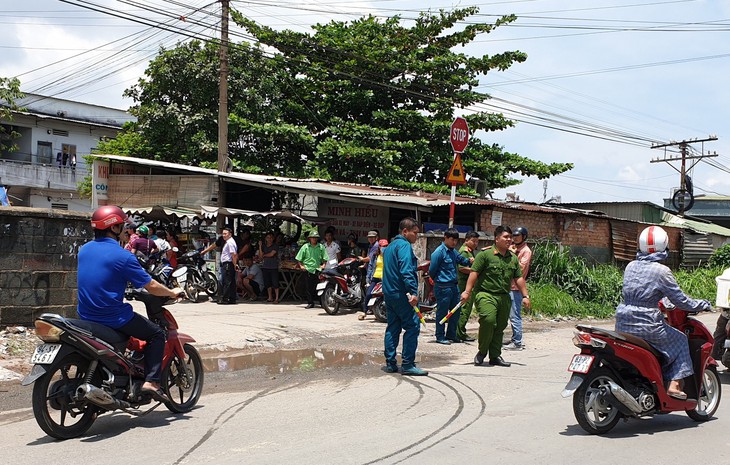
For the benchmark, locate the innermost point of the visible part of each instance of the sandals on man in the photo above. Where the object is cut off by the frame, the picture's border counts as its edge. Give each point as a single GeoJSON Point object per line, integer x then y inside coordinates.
{"type": "Point", "coordinates": [679, 395]}
{"type": "Point", "coordinates": [156, 394]}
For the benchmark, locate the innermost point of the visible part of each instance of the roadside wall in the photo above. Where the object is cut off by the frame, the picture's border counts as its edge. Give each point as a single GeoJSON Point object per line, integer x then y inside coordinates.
{"type": "Point", "coordinates": [38, 260]}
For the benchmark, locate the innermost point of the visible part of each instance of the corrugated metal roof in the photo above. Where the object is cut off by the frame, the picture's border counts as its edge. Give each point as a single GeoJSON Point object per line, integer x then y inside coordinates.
{"type": "Point", "coordinates": [697, 226]}
{"type": "Point", "coordinates": [387, 195]}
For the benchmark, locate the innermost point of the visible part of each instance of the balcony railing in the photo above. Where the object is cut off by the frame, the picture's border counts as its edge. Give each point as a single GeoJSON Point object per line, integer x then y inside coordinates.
{"type": "Point", "coordinates": [48, 176]}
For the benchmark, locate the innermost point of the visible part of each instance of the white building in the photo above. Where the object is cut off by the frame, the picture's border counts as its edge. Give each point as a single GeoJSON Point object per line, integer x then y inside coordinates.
{"type": "Point", "coordinates": [48, 162]}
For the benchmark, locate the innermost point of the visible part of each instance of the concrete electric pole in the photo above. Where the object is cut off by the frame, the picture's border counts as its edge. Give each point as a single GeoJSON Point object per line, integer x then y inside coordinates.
{"type": "Point", "coordinates": [223, 108]}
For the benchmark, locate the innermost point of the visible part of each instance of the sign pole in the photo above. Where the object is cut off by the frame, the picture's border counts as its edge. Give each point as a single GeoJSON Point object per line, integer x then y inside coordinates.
{"type": "Point", "coordinates": [452, 206]}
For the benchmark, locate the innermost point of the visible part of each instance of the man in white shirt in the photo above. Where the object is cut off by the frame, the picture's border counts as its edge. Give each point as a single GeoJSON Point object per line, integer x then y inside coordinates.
{"type": "Point", "coordinates": [252, 278]}
{"type": "Point", "coordinates": [229, 252]}
{"type": "Point", "coordinates": [333, 250]}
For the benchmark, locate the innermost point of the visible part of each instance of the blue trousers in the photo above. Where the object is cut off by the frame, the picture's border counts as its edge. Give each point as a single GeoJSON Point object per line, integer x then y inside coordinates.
{"type": "Point", "coordinates": [515, 317]}
{"type": "Point", "coordinates": [401, 317]}
{"type": "Point", "coordinates": [447, 297]}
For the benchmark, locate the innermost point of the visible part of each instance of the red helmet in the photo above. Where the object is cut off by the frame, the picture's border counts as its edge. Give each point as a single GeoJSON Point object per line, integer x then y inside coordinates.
{"type": "Point", "coordinates": [107, 216]}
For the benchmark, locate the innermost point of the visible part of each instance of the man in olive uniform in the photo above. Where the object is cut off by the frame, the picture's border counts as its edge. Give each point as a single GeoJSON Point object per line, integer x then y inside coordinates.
{"type": "Point", "coordinates": [471, 242]}
{"type": "Point", "coordinates": [494, 269]}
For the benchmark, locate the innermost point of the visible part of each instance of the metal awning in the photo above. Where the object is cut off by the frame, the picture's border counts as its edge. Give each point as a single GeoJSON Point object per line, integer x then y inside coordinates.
{"type": "Point", "coordinates": [158, 212]}
{"type": "Point", "coordinates": [211, 212]}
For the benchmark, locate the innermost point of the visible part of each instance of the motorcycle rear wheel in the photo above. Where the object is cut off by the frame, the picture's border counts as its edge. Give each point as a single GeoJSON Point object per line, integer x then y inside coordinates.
{"type": "Point", "coordinates": [182, 381]}
{"type": "Point", "coordinates": [379, 311]}
{"type": "Point", "coordinates": [211, 283]}
{"type": "Point", "coordinates": [595, 415]}
{"type": "Point", "coordinates": [710, 393]}
{"type": "Point", "coordinates": [328, 301]}
{"type": "Point", "coordinates": [53, 403]}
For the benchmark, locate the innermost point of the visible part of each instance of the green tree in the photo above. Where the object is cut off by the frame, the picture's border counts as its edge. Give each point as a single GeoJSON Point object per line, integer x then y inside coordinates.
{"type": "Point", "coordinates": [9, 93]}
{"type": "Point", "coordinates": [383, 97]}
{"type": "Point", "coordinates": [368, 101]}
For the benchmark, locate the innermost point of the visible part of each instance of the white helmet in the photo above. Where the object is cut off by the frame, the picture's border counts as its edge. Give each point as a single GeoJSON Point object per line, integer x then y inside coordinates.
{"type": "Point", "coordinates": [653, 239]}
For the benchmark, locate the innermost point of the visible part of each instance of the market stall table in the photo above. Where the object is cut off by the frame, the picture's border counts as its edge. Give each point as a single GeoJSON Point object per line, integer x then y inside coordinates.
{"type": "Point", "coordinates": [290, 281]}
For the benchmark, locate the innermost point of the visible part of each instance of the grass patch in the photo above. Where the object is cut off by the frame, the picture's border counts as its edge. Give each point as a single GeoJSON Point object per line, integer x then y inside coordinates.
{"type": "Point", "coordinates": [568, 286]}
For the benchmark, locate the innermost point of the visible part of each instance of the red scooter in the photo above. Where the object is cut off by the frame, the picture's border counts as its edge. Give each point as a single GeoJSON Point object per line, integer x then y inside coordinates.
{"type": "Point", "coordinates": [84, 369]}
{"type": "Point", "coordinates": [618, 375]}
{"type": "Point", "coordinates": [341, 286]}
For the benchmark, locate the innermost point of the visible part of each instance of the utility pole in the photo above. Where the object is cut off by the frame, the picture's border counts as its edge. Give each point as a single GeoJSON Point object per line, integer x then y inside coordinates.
{"type": "Point", "coordinates": [222, 108]}
{"type": "Point", "coordinates": [683, 199]}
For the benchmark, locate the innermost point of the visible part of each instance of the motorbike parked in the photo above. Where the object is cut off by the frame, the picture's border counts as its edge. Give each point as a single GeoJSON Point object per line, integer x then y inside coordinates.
{"type": "Point", "coordinates": [618, 375]}
{"type": "Point", "coordinates": [376, 304]}
{"type": "Point", "coordinates": [341, 286]}
{"type": "Point", "coordinates": [199, 277]}
{"type": "Point", "coordinates": [427, 299]}
{"type": "Point", "coordinates": [84, 369]}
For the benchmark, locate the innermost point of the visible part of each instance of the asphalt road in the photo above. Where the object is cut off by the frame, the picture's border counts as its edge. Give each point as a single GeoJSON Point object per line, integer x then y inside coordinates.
{"type": "Point", "coordinates": [340, 413]}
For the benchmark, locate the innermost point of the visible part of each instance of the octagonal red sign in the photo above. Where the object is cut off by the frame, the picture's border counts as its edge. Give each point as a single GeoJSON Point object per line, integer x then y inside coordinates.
{"type": "Point", "coordinates": [459, 134]}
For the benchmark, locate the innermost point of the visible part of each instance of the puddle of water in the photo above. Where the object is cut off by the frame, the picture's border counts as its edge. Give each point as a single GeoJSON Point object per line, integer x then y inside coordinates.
{"type": "Point", "coordinates": [284, 361]}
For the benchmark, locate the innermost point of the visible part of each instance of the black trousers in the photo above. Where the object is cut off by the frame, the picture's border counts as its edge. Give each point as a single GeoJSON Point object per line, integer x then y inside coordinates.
{"type": "Point", "coordinates": [142, 328]}
{"type": "Point", "coordinates": [312, 281]}
{"type": "Point", "coordinates": [228, 287]}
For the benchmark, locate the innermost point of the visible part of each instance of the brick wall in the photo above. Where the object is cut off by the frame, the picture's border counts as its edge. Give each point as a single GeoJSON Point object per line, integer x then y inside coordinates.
{"type": "Point", "coordinates": [587, 236]}
{"type": "Point", "coordinates": [38, 260]}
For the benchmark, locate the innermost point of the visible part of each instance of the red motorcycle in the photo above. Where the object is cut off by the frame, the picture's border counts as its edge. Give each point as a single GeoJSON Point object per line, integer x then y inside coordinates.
{"type": "Point", "coordinates": [341, 286]}
{"type": "Point", "coordinates": [618, 375]}
{"type": "Point", "coordinates": [84, 369]}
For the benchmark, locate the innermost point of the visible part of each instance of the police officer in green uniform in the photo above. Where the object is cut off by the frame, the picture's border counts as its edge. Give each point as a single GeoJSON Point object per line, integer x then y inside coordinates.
{"type": "Point", "coordinates": [471, 242]}
{"type": "Point", "coordinates": [494, 269]}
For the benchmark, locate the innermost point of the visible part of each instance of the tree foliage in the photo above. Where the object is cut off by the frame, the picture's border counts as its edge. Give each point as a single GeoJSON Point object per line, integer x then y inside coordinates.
{"type": "Point", "coordinates": [9, 93]}
{"type": "Point", "coordinates": [367, 101]}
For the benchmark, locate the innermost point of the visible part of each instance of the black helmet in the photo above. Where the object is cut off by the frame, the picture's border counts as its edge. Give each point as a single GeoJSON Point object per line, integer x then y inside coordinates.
{"type": "Point", "coordinates": [520, 231]}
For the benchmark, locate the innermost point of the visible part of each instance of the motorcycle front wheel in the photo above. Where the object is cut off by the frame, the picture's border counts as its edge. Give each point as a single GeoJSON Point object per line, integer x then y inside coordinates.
{"type": "Point", "coordinates": [593, 413]}
{"type": "Point", "coordinates": [182, 381]}
{"type": "Point", "coordinates": [709, 399]}
{"type": "Point", "coordinates": [328, 301]}
{"type": "Point", "coordinates": [379, 310]}
{"type": "Point", "coordinates": [54, 407]}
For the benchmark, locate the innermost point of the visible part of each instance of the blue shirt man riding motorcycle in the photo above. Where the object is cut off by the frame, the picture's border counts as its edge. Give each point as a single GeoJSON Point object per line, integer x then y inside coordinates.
{"type": "Point", "coordinates": [104, 269]}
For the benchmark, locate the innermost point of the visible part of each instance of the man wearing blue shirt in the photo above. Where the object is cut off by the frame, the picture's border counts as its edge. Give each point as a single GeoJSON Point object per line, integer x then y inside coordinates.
{"type": "Point", "coordinates": [443, 272]}
{"type": "Point", "coordinates": [400, 293]}
{"type": "Point", "coordinates": [104, 268]}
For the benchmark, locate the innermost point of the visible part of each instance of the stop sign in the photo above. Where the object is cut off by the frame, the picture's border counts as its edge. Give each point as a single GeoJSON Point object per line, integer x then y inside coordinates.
{"type": "Point", "coordinates": [459, 134]}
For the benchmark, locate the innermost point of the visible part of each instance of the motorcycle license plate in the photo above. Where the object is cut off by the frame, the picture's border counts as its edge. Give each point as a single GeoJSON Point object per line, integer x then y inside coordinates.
{"type": "Point", "coordinates": [371, 302]}
{"type": "Point", "coordinates": [581, 363]}
{"type": "Point", "coordinates": [45, 354]}
{"type": "Point", "coordinates": [321, 286]}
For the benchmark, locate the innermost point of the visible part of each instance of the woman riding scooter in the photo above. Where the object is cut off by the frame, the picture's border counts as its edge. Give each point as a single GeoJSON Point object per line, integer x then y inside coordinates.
{"type": "Point", "coordinates": [646, 282]}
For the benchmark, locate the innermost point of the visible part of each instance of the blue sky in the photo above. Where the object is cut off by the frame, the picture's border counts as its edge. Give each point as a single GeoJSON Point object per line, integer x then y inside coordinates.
{"type": "Point", "coordinates": [650, 70]}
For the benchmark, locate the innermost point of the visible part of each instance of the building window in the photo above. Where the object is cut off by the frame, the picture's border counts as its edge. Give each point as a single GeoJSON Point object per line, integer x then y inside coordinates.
{"type": "Point", "coordinates": [44, 153]}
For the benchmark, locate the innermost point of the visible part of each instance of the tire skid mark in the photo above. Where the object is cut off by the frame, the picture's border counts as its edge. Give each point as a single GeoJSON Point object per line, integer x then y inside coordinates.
{"type": "Point", "coordinates": [482, 410]}
{"type": "Point", "coordinates": [416, 443]}
{"type": "Point", "coordinates": [217, 423]}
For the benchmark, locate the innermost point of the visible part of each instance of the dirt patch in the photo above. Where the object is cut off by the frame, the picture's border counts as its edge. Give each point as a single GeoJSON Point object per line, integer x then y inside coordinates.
{"type": "Point", "coordinates": [17, 344]}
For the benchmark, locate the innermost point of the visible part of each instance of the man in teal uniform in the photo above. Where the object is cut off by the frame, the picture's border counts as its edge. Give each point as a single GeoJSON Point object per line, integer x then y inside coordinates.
{"type": "Point", "coordinates": [443, 271]}
{"type": "Point", "coordinates": [400, 293]}
{"type": "Point", "coordinates": [494, 269]}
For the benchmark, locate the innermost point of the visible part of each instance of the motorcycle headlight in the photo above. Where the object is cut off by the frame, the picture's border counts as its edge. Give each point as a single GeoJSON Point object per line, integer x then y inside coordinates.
{"type": "Point", "coordinates": [47, 332]}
